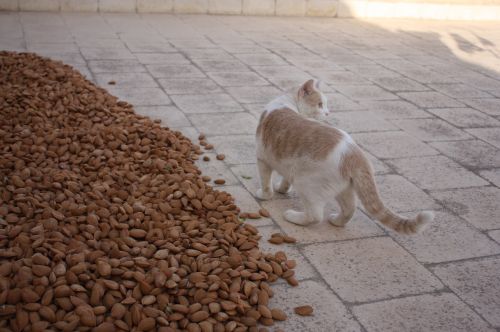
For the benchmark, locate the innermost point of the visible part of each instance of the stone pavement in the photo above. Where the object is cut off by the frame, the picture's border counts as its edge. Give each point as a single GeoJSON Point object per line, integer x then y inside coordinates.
{"type": "Point", "coordinates": [421, 97]}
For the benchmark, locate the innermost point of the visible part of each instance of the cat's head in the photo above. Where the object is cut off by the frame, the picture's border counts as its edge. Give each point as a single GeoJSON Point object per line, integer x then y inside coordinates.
{"type": "Point", "coordinates": [311, 102]}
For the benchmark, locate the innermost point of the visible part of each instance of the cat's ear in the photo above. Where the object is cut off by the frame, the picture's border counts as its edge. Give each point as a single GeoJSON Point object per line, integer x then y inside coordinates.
{"type": "Point", "coordinates": [317, 84]}
{"type": "Point", "coordinates": [307, 88]}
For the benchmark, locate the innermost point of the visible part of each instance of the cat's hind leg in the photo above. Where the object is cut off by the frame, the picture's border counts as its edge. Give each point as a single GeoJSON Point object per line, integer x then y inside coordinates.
{"type": "Point", "coordinates": [283, 187]}
{"type": "Point", "coordinates": [265, 172]}
{"type": "Point", "coordinates": [313, 211]}
{"type": "Point", "coordinates": [347, 203]}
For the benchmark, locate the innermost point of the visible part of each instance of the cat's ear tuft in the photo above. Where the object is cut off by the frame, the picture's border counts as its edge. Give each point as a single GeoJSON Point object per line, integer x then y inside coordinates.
{"type": "Point", "coordinates": [307, 88]}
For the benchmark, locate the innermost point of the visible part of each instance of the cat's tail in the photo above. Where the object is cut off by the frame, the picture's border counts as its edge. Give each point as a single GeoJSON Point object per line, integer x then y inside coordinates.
{"type": "Point", "coordinates": [366, 190]}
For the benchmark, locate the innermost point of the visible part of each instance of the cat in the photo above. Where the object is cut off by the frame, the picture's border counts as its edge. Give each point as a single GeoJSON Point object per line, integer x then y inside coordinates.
{"type": "Point", "coordinates": [322, 163]}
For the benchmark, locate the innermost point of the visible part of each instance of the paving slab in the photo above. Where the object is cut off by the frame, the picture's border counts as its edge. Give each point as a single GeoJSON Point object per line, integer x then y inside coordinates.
{"type": "Point", "coordinates": [139, 96]}
{"type": "Point", "coordinates": [216, 169]}
{"type": "Point", "coordinates": [341, 77]}
{"type": "Point", "coordinates": [465, 117]}
{"type": "Point", "coordinates": [207, 103]}
{"type": "Point", "coordinates": [430, 99]}
{"type": "Point", "coordinates": [470, 153]}
{"type": "Point", "coordinates": [329, 312]}
{"type": "Point", "coordinates": [399, 84]}
{"type": "Point", "coordinates": [459, 90]}
{"type": "Point", "coordinates": [211, 65]}
{"type": "Point", "coordinates": [373, 269]}
{"type": "Point", "coordinates": [490, 135]}
{"type": "Point", "coordinates": [400, 195]}
{"type": "Point", "coordinates": [339, 102]}
{"type": "Point", "coordinates": [495, 235]}
{"type": "Point", "coordinates": [429, 130]}
{"type": "Point", "coordinates": [253, 94]}
{"type": "Point", "coordinates": [106, 53]}
{"type": "Point", "coordinates": [477, 283]}
{"type": "Point", "coordinates": [237, 78]}
{"type": "Point", "coordinates": [489, 106]}
{"type": "Point", "coordinates": [395, 109]}
{"type": "Point", "coordinates": [492, 175]}
{"type": "Point", "coordinates": [189, 86]}
{"type": "Point", "coordinates": [479, 206]}
{"type": "Point", "coordinates": [448, 238]}
{"type": "Point", "coordinates": [430, 312]}
{"type": "Point", "coordinates": [365, 92]}
{"type": "Point", "coordinates": [225, 123]}
{"type": "Point", "coordinates": [239, 149]}
{"type": "Point", "coordinates": [361, 121]}
{"type": "Point", "coordinates": [174, 71]}
{"type": "Point", "coordinates": [393, 144]}
{"type": "Point", "coordinates": [116, 66]}
{"type": "Point", "coordinates": [170, 116]}
{"type": "Point", "coordinates": [126, 79]}
{"type": "Point", "coordinates": [446, 174]}
{"type": "Point", "coordinates": [161, 58]}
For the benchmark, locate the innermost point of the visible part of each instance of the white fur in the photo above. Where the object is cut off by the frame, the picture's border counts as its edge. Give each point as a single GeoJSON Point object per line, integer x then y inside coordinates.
{"type": "Point", "coordinates": [283, 101]}
{"type": "Point", "coordinates": [291, 101]}
{"type": "Point", "coordinates": [315, 181]}
{"type": "Point", "coordinates": [318, 182]}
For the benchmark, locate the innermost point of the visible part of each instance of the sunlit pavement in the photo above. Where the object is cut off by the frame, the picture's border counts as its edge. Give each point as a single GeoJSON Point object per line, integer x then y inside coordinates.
{"type": "Point", "coordinates": [422, 98]}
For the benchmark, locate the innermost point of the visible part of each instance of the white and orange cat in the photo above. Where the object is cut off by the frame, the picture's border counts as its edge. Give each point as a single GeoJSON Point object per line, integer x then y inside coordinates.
{"type": "Point", "coordinates": [320, 161]}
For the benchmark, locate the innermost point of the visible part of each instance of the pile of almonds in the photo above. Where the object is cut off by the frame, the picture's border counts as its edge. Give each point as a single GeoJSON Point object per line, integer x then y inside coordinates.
{"type": "Point", "coordinates": [106, 223]}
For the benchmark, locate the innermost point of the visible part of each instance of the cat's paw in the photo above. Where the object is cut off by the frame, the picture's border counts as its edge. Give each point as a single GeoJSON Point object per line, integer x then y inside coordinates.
{"type": "Point", "coordinates": [338, 220]}
{"type": "Point", "coordinates": [263, 195]}
{"type": "Point", "coordinates": [282, 187]}
{"type": "Point", "coordinates": [296, 217]}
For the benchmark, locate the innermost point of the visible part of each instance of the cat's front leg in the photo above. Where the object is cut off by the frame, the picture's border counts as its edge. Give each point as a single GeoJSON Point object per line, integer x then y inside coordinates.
{"type": "Point", "coordinates": [266, 190]}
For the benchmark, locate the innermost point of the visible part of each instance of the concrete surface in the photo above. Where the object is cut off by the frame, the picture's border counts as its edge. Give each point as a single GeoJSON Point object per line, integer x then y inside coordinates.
{"type": "Point", "coordinates": [423, 98]}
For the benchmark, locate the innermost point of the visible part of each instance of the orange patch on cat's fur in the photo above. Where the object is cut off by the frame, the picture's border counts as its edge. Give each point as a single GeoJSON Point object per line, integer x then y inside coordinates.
{"type": "Point", "coordinates": [278, 129]}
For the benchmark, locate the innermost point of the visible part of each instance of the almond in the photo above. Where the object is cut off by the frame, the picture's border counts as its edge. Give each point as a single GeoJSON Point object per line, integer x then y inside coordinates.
{"type": "Point", "coordinates": [305, 310]}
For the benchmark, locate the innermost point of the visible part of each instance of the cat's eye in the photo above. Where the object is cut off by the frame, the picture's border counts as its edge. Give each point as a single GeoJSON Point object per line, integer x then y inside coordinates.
{"type": "Point", "coordinates": [320, 105]}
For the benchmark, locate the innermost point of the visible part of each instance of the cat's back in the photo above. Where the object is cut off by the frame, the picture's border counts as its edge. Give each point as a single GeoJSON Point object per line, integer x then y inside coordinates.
{"type": "Point", "coordinates": [287, 134]}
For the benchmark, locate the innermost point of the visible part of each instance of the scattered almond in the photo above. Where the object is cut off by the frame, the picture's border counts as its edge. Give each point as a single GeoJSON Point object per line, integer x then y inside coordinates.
{"type": "Point", "coordinates": [305, 310]}
{"type": "Point", "coordinates": [253, 215]}
{"type": "Point", "coordinates": [263, 212]}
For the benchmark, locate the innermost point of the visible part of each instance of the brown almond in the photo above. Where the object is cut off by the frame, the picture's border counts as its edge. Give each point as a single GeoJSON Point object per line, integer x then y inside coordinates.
{"type": "Point", "coordinates": [199, 316]}
{"type": "Point", "coordinates": [276, 240]}
{"type": "Point", "coordinates": [292, 281]}
{"type": "Point", "coordinates": [146, 324]}
{"type": "Point", "coordinates": [104, 327]}
{"type": "Point", "coordinates": [278, 314]}
{"type": "Point", "coordinates": [305, 310]}
{"type": "Point", "coordinates": [47, 314]}
{"type": "Point", "coordinates": [263, 212]}
{"type": "Point", "coordinates": [289, 239]}
{"type": "Point", "coordinates": [118, 310]}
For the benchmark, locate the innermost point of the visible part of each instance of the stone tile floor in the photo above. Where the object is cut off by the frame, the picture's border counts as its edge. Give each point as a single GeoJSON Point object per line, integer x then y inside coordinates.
{"type": "Point", "coordinates": [422, 97]}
